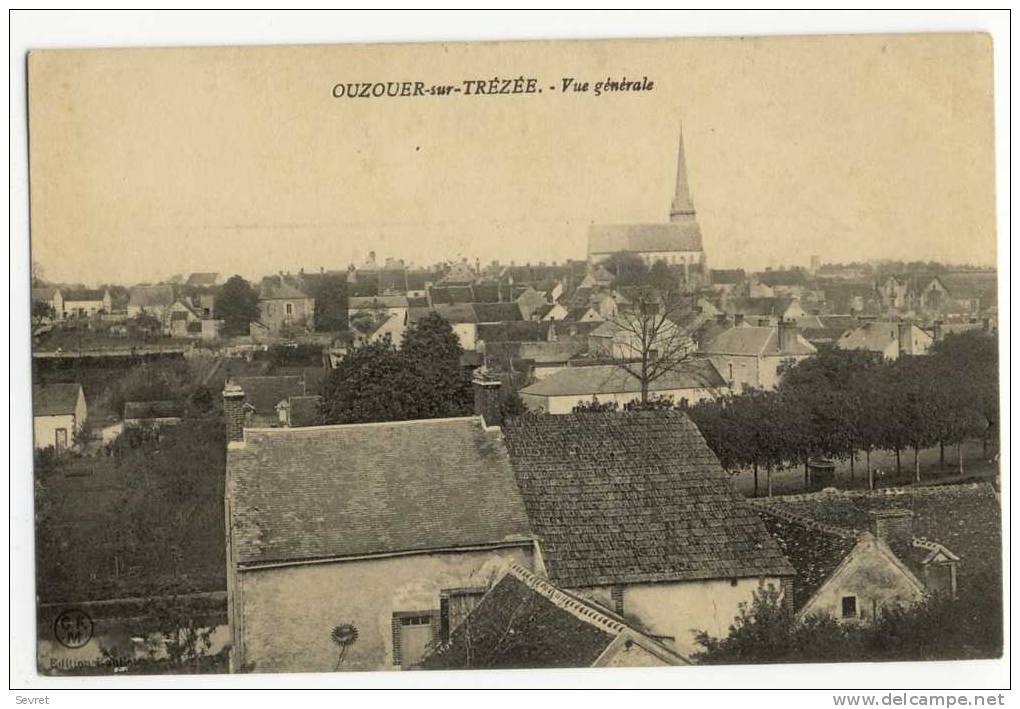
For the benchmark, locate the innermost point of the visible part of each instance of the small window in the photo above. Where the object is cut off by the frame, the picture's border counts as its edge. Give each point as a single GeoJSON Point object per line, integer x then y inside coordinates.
{"type": "Point", "coordinates": [290, 308]}
{"type": "Point", "coordinates": [849, 606]}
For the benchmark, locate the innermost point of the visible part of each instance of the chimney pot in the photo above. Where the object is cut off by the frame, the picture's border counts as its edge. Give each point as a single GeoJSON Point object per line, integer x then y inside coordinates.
{"type": "Point", "coordinates": [233, 411]}
{"type": "Point", "coordinates": [738, 319]}
{"type": "Point", "coordinates": [895, 527]}
{"type": "Point", "coordinates": [787, 331]}
{"type": "Point", "coordinates": [487, 404]}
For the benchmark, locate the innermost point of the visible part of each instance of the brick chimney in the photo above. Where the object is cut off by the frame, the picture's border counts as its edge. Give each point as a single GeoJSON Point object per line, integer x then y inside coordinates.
{"type": "Point", "coordinates": [487, 400]}
{"type": "Point", "coordinates": [895, 527]}
{"type": "Point", "coordinates": [738, 319]}
{"type": "Point", "coordinates": [787, 339]}
{"type": "Point", "coordinates": [233, 411]}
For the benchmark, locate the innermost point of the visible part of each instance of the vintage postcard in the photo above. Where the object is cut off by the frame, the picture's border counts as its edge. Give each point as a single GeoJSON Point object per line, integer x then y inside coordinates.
{"type": "Point", "coordinates": [627, 353]}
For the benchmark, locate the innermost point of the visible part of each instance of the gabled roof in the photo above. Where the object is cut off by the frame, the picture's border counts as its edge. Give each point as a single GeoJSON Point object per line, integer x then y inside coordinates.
{"type": "Point", "coordinates": [84, 294]}
{"type": "Point", "coordinates": [634, 497]}
{"type": "Point", "coordinates": [516, 331]}
{"type": "Point", "coordinates": [445, 295]}
{"type": "Point", "coordinates": [152, 409]}
{"type": "Point", "coordinates": [417, 280]}
{"type": "Point", "coordinates": [264, 393]}
{"type": "Point", "coordinates": [524, 621]}
{"type": "Point", "coordinates": [611, 379]}
{"type": "Point", "coordinates": [727, 276]}
{"type": "Point", "coordinates": [281, 287]}
{"type": "Point", "coordinates": [54, 399]}
{"type": "Point", "coordinates": [202, 279]}
{"type": "Point", "coordinates": [559, 352]}
{"type": "Point", "coordinates": [496, 312]}
{"type": "Point", "coordinates": [754, 341]}
{"type": "Point", "coordinates": [300, 494]}
{"type": "Point", "coordinates": [965, 518]}
{"type": "Point", "coordinates": [377, 301]}
{"type": "Point", "coordinates": [159, 296]}
{"type": "Point", "coordinates": [644, 238]}
{"type": "Point", "coordinates": [872, 336]}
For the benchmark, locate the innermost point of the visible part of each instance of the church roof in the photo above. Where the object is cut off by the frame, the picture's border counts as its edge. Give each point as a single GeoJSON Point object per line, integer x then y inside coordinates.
{"type": "Point", "coordinates": [644, 238]}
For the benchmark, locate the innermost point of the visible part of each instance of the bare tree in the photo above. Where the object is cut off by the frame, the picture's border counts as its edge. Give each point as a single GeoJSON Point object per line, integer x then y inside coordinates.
{"type": "Point", "coordinates": [647, 343]}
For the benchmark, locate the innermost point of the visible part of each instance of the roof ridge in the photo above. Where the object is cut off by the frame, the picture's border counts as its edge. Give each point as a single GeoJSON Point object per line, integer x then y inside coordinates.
{"type": "Point", "coordinates": [581, 611]}
{"type": "Point", "coordinates": [843, 532]}
{"type": "Point", "coordinates": [301, 429]}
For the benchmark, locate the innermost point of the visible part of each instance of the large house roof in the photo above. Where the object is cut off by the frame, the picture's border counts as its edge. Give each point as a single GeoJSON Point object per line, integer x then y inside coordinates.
{"type": "Point", "coordinates": [965, 518]}
{"type": "Point", "coordinates": [872, 336]}
{"type": "Point", "coordinates": [634, 497]}
{"type": "Point", "coordinates": [54, 399]}
{"type": "Point", "coordinates": [644, 238]}
{"type": "Point", "coordinates": [496, 312]}
{"type": "Point", "coordinates": [83, 295]}
{"type": "Point", "coordinates": [280, 288]}
{"type": "Point", "coordinates": [754, 341]}
{"type": "Point", "coordinates": [202, 279]}
{"type": "Point", "coordinates": [264, 393]}
{"type": "Point", "coordinates": [561, 351]}
{"type": "Point", "coordinates": [368, 489]}
{"type": "Point", "coordinates": [376, 301]}
{"type": "Point", "coordinates": [516, 331]}
{"type": "Point", "coordinates": [151, 296]}
{"type": "Point", "coordinates": [546, 626]}
{"type": "Point", "coordinates": [612, 379]}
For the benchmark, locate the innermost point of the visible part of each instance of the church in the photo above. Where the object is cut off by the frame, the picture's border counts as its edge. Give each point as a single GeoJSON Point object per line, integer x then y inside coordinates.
{"type": "Point", "coordinates": [677, 242]}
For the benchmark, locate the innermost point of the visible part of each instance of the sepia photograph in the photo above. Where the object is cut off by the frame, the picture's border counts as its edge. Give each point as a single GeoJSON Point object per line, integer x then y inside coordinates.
{"type": "Point", "coordinates": [535, 355]}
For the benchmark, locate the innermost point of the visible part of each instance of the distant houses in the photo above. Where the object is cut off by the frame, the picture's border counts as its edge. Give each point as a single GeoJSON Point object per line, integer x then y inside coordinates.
{"type": "Point", "coordinates": [59, 412]}
{"type": "Point", "coordinates": [889, 339]}
{"type": "Point", "coordinates": [284, 305]}
{"type": "Point", "coordinates": [753, 357]}
{"type": "Point", "coordinates": [85, 302]}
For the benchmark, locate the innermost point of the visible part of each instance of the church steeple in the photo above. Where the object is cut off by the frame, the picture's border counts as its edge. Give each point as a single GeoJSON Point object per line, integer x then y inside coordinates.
{"type": "Point", "coordinates": [683, 206]}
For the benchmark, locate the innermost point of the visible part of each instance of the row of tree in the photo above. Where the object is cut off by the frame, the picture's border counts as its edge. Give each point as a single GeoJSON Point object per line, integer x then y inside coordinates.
{"type": "Point", "coordinates": [842, 403]}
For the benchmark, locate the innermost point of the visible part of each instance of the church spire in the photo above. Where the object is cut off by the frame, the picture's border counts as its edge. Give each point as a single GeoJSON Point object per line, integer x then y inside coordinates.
{"type": "Point", "coordinates": [683, 205]}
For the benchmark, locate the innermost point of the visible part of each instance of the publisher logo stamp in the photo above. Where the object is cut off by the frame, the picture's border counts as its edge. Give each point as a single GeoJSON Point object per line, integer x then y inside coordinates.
{"type": "Point", "coordinates": [73, 628]}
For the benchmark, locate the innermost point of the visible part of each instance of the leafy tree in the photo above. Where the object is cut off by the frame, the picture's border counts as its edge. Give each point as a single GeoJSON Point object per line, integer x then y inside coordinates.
{"type": "Point", "coordinates": [965, 367]}
{"type": "Point", "coordinates": [628, 267]}
{"type": "Point", "coordinates": [237, 304]}
{"type": "Point", "coordinates": [423, 379]}
{"type": "Point", "coordinates": [42, 309]}
{"type": "Point", "coordinates": [330, 293]}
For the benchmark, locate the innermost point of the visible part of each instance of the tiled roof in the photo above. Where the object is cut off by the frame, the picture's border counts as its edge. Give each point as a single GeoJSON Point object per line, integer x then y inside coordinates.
{"type": "Point", "coordinates": [725, 276]}
{"type": "Point", "coordinates": [456, 313]}
{"type": "Point", "coordinates": [671, 236]}
{"type": "Point", "coordinates": [754, 341]}
{"type": "Point", "coordinates": [526, 622]}
{"type": "Point", "coordinates": [161, 296]}
{"type": "Point", "coordinates": [774, 306]}
{"type": "Point", "coordinates": [202, 279]}
{"type": "Point", "coordinates": [447, 295]}
{"type": "Point", "coordinates": [496, 312]}
{"type": "Point", "coordinates": [83, 294]}
{"type": "Point", "coordinates": [873, 336]}
{"type": "Point", "coordinates": [611, 379]}
{"type": "Point", "coordinates": [377, 301]}
{"type": "Point", "coordinates": [152, 409]}
{"type": "Point", "coordinates": [634, 497]}
{"type": "Point", "coordinates": [280, 288]}
{"type": "Point", "coordinates": [264, 393]}
{"type": "Point", "coordinates": [416, 280]}
{"type": "Point", "coordinates": [338, 491]}
{"type": "Point", "coordinates": [965, 518]}
{"type": "Point", "coordinates": [559, 352]}
{"type": "Point", "coordinates": [54, 399]}
{"type": "Point", "coordinates": [515, 331]}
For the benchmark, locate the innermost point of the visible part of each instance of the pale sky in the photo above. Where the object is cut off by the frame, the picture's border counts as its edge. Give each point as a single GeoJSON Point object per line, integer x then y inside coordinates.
{"type": "Point", "coordinates": [147, 163]}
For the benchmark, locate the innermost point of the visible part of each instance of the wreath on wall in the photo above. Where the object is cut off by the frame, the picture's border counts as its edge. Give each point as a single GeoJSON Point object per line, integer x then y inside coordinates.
{"type": "Point", "coordinates": [343, 636]}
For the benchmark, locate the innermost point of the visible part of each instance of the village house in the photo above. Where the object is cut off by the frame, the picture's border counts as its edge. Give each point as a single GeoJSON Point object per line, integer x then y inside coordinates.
{"type": "Point", "coordinates": [632, 511]}
{"type": "Point", "coordinates": [58, 413]}
{"type": "Point", "coordinates": [151, 300]}
{"type": "Point", "coordinates": [558, 393]}
{"type": "Point", "coordinates": [85, 302]}
{"type": "Point", "coordinates": [203, 280]}
{"type": "Point", "coordinates": [283, 305]}
{"type": "Point", "coordinates": [363, 525]}
{"type": "Point", "coordinates": [523, 621]}
{"type": "Point", "coordinates": [764, 311]}
{"type": "Point", "coordinates": [889, 339]}
{"type": "Point", "coordinates": [377, 305]}
{"type": "Point", "coordinates": [858, 552]}
{"type": "Point", "coordinates": [752, 357]}
{"type": "Point", "coordinates": [51, 296]}
{"type": "Point", "coordinates": [180, 319]}
{"type": "Point", "coordinates": [529, 302]}
{"type": "Point", "coordinates": [676, 243]}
